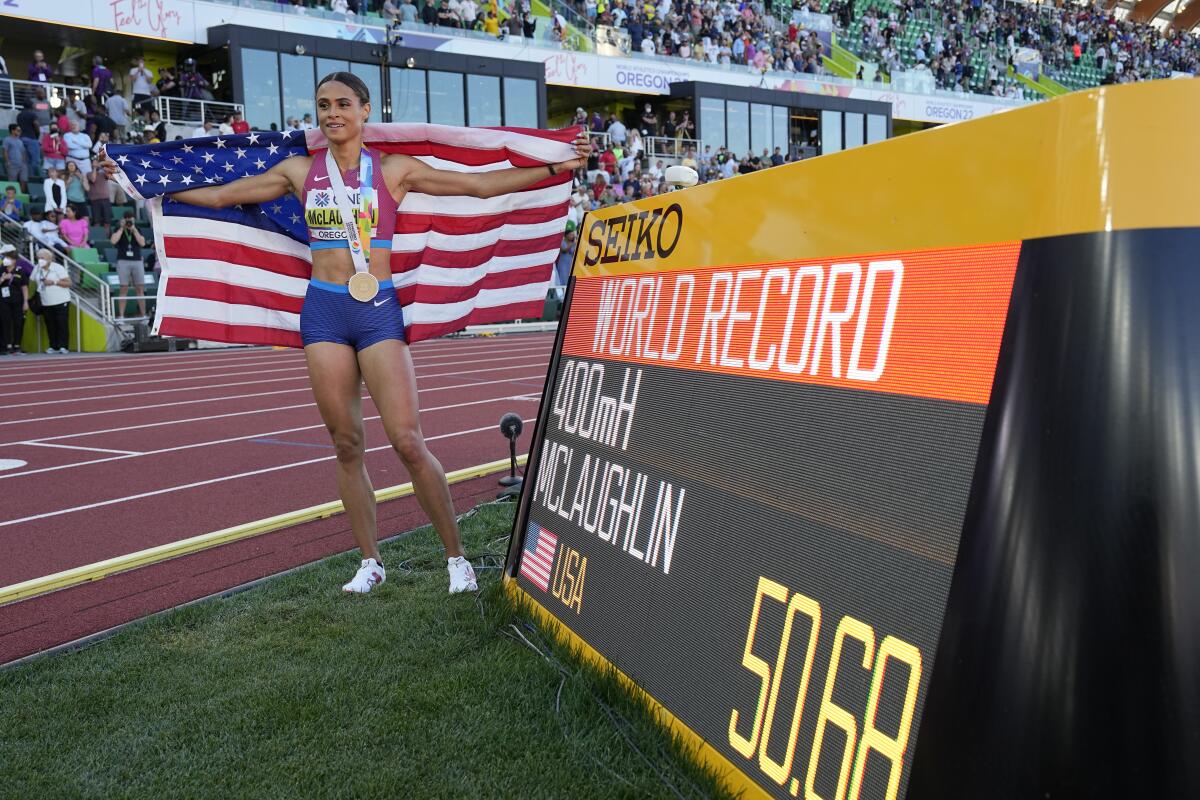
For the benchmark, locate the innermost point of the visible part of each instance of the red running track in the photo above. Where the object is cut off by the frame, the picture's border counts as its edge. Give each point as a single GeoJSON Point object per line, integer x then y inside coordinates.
{"type": "Point", "coordinates": [125, 452]}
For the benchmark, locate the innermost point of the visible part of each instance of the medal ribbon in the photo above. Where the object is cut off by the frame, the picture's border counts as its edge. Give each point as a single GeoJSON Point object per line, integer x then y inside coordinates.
{"type": "Point", "coordinates": [356, 222]}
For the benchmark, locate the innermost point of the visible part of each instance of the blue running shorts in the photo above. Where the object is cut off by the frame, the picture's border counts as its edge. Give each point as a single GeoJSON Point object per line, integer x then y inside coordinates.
{"type": "Point", "coordinates": [330, 314]}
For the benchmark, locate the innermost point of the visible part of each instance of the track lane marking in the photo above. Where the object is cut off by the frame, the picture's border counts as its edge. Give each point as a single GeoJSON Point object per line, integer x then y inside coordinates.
{"type": "Point", "coordinates": [222, 479]}
{"type": "Point", "coordinates": [302, 368]}
{"type": "Point", "coordinates": [419, 360]}
{"type": "Point", "coordinates": [305, 388]}
{"type": "Point", "coordinates": [77, 447]}
{"type": "Point", "coordinates": [194, 544]}
{"type": "Point", "coordinates": [211, 355]}
{"type": "Point", "coordinates": [230, 440]}
{"type": "Point", "coordinates": [189, 420]}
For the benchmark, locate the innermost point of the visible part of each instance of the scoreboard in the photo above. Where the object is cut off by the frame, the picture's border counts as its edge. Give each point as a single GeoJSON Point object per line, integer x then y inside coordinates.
{"type": "Point", "coordinates": [772, 477]}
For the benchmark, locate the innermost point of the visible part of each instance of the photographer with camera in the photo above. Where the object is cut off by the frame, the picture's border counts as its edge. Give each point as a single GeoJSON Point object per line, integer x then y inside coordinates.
{"type": "Point", "coordinates": [130, 268]}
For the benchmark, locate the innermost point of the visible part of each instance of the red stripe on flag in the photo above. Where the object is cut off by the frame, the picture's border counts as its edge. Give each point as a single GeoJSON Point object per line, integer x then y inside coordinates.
{"type": "Point", "coordinates": [440, 295]}
{"type": "Point", "coordinates": [423, 223]}
{"type": "Point", "coordinates": [229, 293]}
{"type": "Point", "coordinates": [223, 332]}
{"type": "Point", "coordinates": [465, 259]}
{"type": "Point", "coordinates": [480, 316]}
{"type": "Point", "coordinates": [239, 253]}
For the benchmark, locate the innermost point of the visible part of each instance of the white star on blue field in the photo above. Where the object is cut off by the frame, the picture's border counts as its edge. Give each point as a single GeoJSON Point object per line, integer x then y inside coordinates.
{"type": "Point", "coordinates": [189, 163]}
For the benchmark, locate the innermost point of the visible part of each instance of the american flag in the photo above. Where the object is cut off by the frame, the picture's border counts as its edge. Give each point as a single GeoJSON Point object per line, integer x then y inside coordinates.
{"type": "Point", "coordinates": [537, 559]}
{"type": "Point", "coordinates": [239, 274]}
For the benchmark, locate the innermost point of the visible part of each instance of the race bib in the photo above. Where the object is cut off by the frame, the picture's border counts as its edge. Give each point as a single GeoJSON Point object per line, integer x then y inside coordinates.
{"type": "Point", "coordinates": [5, 292]}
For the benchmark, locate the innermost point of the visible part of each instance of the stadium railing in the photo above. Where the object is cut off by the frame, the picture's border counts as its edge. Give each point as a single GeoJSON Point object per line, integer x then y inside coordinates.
{"type": "Point", "coordinates": [669, 146]}
{"type": "Point", "coordinates": [182, 111]}
{"type": "Point", "coordinates": [14, 93]}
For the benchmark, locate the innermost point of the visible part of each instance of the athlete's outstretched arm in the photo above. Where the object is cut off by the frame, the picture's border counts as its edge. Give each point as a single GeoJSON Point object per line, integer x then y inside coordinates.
{"type": "Point", "coordinates": [270, 185]}
{"type": "Point", "coordinates": [420, 177]}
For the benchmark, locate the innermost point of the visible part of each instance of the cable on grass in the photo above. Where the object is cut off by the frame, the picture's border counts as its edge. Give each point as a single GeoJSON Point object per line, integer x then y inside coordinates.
{"type": "Point", "coordinates": [612, 715]}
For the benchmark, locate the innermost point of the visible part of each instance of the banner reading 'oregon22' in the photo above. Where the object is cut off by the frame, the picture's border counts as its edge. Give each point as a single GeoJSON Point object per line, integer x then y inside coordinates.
{"type": "Point", "coordinates": [777, 406]}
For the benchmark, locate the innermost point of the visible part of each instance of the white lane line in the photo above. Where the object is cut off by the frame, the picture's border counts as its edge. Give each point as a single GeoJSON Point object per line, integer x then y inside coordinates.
{"type": "Point", "coordinates": [420, 359]}
{"type": "Point", "coordinates": [245, 396]}
{"type": "Point", "coordinates": [210, 481]}
{"type": "Point", "coordinates": [189, 420]}
{"type": "Point", "coordinates": [198, 356]}
{"type": "Point", "coordinates": [176, 389]}
{"type": "Point", "coordinates": [247, 373]}
{"type": "Point", "coordinates": [234, 355]}
{"type": "Point", "coordinates": [123, 453]}
{"type": "Point", "coordinates": [229, 440]}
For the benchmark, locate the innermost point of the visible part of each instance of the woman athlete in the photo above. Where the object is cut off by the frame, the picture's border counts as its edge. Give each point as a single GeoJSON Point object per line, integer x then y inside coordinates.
{"type": "Point", "coordinates": [348, 340]}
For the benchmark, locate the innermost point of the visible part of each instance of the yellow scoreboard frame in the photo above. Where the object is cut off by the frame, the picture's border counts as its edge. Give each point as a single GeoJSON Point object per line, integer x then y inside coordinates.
{"type": "Point", "coordinates": [1086, 203]}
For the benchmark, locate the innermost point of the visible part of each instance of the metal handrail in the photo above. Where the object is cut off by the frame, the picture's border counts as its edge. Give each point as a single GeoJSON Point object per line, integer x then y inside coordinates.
{"type": "Point", "coordinates": [572, 16]}
{"type": "Point", "coordinates": [669, 146]}
{"type": "Point", "coordinates": [14, 93]}
{"type": "Point", "coordinates": [184, 111]}
{"type": "Point", "coordinates": [89, 292]}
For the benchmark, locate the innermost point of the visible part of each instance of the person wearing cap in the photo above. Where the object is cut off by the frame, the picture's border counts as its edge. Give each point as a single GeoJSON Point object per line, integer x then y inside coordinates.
{"type": "Point", "coordinates": [14, 301]}
{"type": "Point", "coordinates": [53, 283]}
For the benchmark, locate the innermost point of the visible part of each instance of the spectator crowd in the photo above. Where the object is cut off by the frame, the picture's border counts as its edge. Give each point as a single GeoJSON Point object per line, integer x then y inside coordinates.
{"type": "Point", "coordinates": [966, 45]}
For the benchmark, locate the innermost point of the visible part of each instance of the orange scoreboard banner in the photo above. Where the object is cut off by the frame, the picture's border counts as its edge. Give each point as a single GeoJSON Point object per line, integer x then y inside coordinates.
{"type": "Point", "coordinates": [921, 323]}
{"type": "Point", "coordinates": [875, 473]}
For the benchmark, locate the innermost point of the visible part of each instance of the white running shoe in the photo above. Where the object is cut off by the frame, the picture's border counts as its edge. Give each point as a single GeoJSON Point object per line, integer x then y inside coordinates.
{"type": "Point", "coordinates": [369, 575]}
{"type": "Point", "coordinates": [462, 575]}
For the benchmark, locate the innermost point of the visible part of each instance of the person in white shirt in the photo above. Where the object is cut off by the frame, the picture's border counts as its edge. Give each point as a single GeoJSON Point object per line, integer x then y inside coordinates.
{"type": "Point", "coordinates": [79, 148]}
{"type": "Point", "coordinates": [727, 167]}
{"type": "Point", "coordinates": [45, 230]}
{"type": "Point", "coordinates": [118, 108]}
{"type": "Point", "coordinates": [142, 80]}
{"type": "Point", "coordinates": [56, 191]}
{"type": "Point", "coordinates": [617, 132]}
{"type": "Point", "coordinates": [648, 45]}
{"type": "Point", "coordinates": [205, 129]}
{"type": "Point", "coordinates": [53, 283]}
{"type": "Point", "coordinates": [468, 11]}
{"type": "Point", "coordinates": [306, 124]}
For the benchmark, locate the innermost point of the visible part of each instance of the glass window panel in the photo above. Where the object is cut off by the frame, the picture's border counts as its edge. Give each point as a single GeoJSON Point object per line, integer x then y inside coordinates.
{"type": "Point", "coordinates": [260, 88]}
{"type": "Point", "coordinates": [854, 130]}
{"type": "Point", "coordinates": [520, 102]}
{"type": "Point", "coordinates": [760, 128]}
{"type": "Point", "coordinates": [737, 127]}
{"type": "Point", "coordinates": [831, 131]}
{"type": "Point", "coordinates": [712, 122]}
{"type": "Point", "coordinates": [408, 95]}
{"type": "Point", "coordinates": [483, 99]}
{"type": "Point", "coordinates": [446, 98]}
{"type": "Point", "coordinates": [328, 65]}
{"type": "Point", "coordinates": [299, 86]}
{"type": "Point", "coordinates": [779, 124]}
{"type": "Point", "coordinates": [370, 76]}
{"type": "Point", "coordinates": [876, 128]}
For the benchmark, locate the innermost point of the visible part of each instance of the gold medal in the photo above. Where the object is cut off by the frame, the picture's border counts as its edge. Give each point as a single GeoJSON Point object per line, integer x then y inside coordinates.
{"type": "Point", "coordinates": [364, 286]}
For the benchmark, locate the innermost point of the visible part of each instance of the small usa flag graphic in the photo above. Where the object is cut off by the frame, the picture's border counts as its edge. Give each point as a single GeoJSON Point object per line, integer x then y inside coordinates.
{"type": "Point", "coordinates": [538, 557]}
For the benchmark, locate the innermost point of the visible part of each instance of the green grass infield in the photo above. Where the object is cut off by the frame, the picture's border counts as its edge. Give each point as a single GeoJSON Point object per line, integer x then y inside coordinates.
{"type": "Point", "coordinates": [293, 689]}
